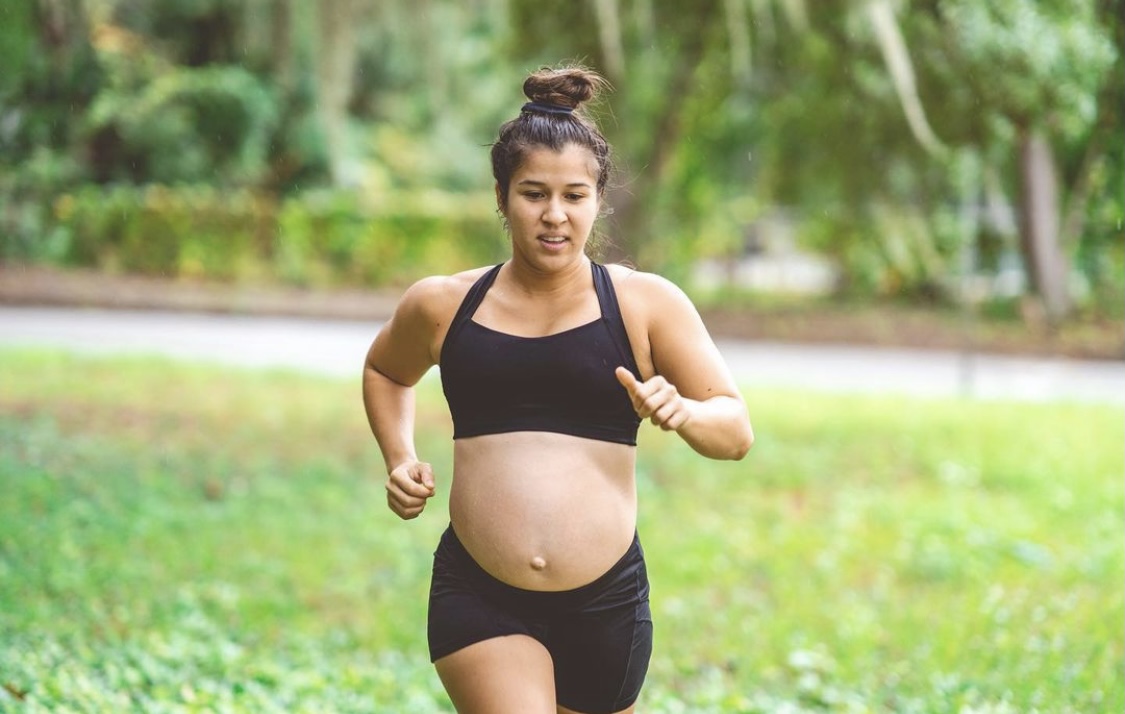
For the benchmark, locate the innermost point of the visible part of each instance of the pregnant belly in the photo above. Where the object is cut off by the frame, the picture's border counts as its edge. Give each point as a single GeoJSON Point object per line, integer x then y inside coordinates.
{"type": "Point", "coordinates": [543, 511]}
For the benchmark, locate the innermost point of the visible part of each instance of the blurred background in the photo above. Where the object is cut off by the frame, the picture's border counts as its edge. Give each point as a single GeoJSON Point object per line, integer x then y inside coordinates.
{"type": "Point", "coordinates": [852, 169]}
{"type": "Point", "coordinates": [915, 531]}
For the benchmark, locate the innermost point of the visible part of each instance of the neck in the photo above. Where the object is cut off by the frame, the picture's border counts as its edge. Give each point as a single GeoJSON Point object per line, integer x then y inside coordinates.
{"type": "Point", "coordinates": [533, 281]}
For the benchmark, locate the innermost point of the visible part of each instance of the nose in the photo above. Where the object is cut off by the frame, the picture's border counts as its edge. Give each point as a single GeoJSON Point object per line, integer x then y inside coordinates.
{"type": "Point", "coordinates": [553, 213]}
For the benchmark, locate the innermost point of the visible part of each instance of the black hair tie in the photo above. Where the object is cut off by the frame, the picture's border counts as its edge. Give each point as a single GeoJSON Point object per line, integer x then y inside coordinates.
{"type": "Point", "coordinates": [541, 108]}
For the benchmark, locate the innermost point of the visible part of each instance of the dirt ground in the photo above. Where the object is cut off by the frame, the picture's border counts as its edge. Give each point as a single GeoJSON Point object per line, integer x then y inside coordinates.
{"type": "Point", "coordinates": [878, 325]}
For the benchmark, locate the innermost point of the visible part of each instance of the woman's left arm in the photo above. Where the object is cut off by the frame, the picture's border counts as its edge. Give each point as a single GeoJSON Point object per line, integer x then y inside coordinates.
{"type": "Point", "coordinates": [691, 390]}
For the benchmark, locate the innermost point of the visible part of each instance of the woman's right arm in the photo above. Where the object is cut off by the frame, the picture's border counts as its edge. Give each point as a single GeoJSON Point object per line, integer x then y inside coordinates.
{"type": "Point", "coordinates": [401, 353]}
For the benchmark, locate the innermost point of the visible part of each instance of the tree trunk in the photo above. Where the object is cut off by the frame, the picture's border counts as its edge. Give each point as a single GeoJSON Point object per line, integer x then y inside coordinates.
{"type": "Point", "coordinates": [281, 44]}
{"type": "Point", "coordinates": [335, 63]}
{"type": "Point", "coordinates": [739, 30]}
{"type": "Point", "coordinates": [609, 34]}
{"type": "Point", "coordinates": [629, 225]}
{"type": "Point", "coordinates": [797, 14]}
{"type": "Point", "coordinates": [645, 22]}
{"type": "Point", "coordinates": [763, 20]}
{"type": "Point", "coordinates": [1043, 256]}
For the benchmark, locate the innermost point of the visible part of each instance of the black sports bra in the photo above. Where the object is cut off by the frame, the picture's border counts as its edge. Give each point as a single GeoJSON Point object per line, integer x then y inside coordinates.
{"type": "Point", "coordinates": [565, 383]}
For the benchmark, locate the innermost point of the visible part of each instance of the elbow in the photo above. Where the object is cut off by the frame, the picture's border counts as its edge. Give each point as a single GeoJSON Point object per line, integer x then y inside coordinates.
{"type": "Point", "coordinates": [733, 450]}
{"type": "Point", "coordinates": [743, 445]}
{"type": "Point", "coordinates": [730, 442]}
{"type": "Point", "coordinates": [744, 436]}
{"type": "Point", "coordinates": [739, 452]}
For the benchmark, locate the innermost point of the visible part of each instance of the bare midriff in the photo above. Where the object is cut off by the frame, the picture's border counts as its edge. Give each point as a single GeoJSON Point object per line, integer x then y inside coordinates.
{"type": "Point", "coordinates": [543, 511]}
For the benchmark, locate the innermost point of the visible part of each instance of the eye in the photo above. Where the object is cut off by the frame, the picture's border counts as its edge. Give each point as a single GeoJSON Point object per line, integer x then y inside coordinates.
{"type": "Point", "coordinates": [575, 196]}
{"type": "Point", "coordinates": [533, 195]}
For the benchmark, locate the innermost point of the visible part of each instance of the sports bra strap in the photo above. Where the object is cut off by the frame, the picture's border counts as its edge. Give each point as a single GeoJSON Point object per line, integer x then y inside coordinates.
{"type": "Point", "coordinates": [472, 300]}
{"type": "Point", "coordinates": [611, 313]}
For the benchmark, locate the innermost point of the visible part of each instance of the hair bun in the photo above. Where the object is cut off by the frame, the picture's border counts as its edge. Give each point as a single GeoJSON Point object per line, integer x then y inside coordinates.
{"type": "Point", "coordinates": [568, 87]}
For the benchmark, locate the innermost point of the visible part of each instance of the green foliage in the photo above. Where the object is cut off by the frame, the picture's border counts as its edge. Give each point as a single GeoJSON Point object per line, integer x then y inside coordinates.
{"type": "Point", "coordinates": [314, 238]}
{"type": "Point", "coordinates": [190, 32]}
{"type": "Point", "coordinates": [184, 125]}
{"type": "Point", "coordinates": [44, 89]}
{"type": "Point", "coordinates": [16, 32]}
{"type": "Point", "coordinates": [721, 111]}
{"type": "Point", "coordinates": [178, 538]}
{"type": "Point", "coordinates": [333, 237]}
{"type": "Point", "coordinates": [50, 75]}
{"type": "Point", "coordinates": [190, 232]}
{"type": "Point", "coordinates": [1053, 57]}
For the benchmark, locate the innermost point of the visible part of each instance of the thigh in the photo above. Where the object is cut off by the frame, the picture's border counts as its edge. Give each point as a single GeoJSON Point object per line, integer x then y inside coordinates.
{"type": "Point", "coordinates": [502, 675]}
{"type": "Point", "coordinates": [601, 650]}
{"type": "Point", "coordinates": [601, 660]}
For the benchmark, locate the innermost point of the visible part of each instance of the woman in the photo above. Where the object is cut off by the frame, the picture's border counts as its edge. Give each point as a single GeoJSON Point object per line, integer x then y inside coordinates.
{"type": "Point", "coordinates": [549, 362]}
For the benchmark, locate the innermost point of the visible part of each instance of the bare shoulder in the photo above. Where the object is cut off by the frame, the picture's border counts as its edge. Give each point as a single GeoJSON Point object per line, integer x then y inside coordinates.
{"type": "Point", "coordinates": [648, 293]}
{"type": "Point", "coordinates": [434, 299]}
{"type": "Point", "coordinates": [410, 342]}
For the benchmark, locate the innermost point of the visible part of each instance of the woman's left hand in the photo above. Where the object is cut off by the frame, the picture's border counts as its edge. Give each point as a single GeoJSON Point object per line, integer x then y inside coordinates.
{"type": "Point", "coordinates": [656, 399]}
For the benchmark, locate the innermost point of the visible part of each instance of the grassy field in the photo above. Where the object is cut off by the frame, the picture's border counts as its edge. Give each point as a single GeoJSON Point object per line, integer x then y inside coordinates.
{"type": "Point", "coordinates": [178, 538]}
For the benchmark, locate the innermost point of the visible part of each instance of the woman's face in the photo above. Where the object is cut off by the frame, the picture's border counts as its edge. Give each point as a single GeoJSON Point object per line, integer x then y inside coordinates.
{"type": "Point", "coordinates": [551, 206]}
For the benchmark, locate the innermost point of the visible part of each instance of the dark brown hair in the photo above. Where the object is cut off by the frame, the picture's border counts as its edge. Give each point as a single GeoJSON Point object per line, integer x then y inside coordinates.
{"type": "Point", "coordinates": [566, 88]}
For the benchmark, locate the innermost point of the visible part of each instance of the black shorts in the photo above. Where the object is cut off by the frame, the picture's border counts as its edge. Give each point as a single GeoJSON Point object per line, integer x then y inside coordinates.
{"type": "Point", "coordinates": [599, 635]}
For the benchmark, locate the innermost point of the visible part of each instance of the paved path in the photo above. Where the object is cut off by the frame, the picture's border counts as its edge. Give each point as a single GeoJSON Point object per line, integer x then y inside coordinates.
{"type": "Point", "coordinates": [337, 347]}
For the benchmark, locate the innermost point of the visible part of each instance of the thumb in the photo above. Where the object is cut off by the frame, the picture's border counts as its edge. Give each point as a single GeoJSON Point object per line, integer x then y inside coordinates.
{"type": "Point", "coordinates": [627, 379]}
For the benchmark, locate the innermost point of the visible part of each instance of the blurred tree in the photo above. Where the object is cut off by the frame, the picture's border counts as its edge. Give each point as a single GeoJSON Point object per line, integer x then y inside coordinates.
{"type": "Point", "coordinates": [700, 80]}
{"type": "Point", "coordinates": [189, 32]}
{"type": "Point", "coordinates": [815, 123]}
{"type": "Point", "coordinates": [203, 91]}
{"type": "Point", "coordinates": [174, 125]}
{"type": "Point", "coordinates": [901, 69]}
{"type": "Point", "coordinates": [1023, 78]}
{"type": "Point", "coordinates": [337, 24]}
{"type": "Point", "coordinates": [1095, 213]}
{"type": "Point", "coordinates": [49, 76]}
{"type": "Point", "coordinates": [881, 123]}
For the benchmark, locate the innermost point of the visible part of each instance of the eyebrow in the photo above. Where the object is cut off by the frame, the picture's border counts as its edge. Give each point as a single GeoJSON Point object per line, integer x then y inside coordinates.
{"type": "Point", "coordinates": [532, 182]}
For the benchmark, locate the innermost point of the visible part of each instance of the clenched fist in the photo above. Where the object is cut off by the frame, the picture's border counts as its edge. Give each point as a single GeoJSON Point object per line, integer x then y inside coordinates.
{"type": "Point", "coordinates": [409, 485]}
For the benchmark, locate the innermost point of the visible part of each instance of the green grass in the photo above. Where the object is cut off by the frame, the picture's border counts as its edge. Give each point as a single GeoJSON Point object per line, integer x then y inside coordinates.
{"type": "Point", "coordinates": [178, 538]}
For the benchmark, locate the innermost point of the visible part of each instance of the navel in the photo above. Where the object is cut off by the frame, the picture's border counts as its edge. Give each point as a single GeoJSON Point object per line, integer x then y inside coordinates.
{"type": "Point", "coordinates": [537, 563]}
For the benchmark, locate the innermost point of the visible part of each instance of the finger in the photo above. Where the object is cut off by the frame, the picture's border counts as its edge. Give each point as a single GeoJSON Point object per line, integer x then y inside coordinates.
{"type": "Point", "coordinates": [401, 499]}
{"type": "Point", "coordinates": [670, 417]}
{"type": "Point", "coordinates": [405, 514]}
{"type": "Point", "coordinates": [655, 395]}
{"type": "Point", "coordinates": [661, 416]}
{"type": "Point", "coordinates": [415, 489]}
{"type": "Point", "coordinates": [406, 482]}
{"type": "Point", "coordinates": [406, 490]}
{"type": "Point", "coordinates": [674, 422]}
{"type": "Point", "coordinates": [627, 380]}
{"type": "Point", "coordinates": [425, 476]}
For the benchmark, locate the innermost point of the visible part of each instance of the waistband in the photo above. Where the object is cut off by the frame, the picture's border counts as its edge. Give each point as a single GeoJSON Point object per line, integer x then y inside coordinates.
{"type": "Point", "coordinates": [583, 597]}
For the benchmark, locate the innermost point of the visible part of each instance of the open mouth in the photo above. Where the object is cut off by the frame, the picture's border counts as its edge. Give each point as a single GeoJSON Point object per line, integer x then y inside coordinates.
{"type": "Point", "coordinates": [554, 240]}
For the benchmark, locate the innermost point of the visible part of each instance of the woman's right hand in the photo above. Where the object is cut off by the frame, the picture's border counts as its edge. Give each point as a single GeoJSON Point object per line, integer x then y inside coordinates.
{"type": "Point", "coordinates": [408, 486]}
